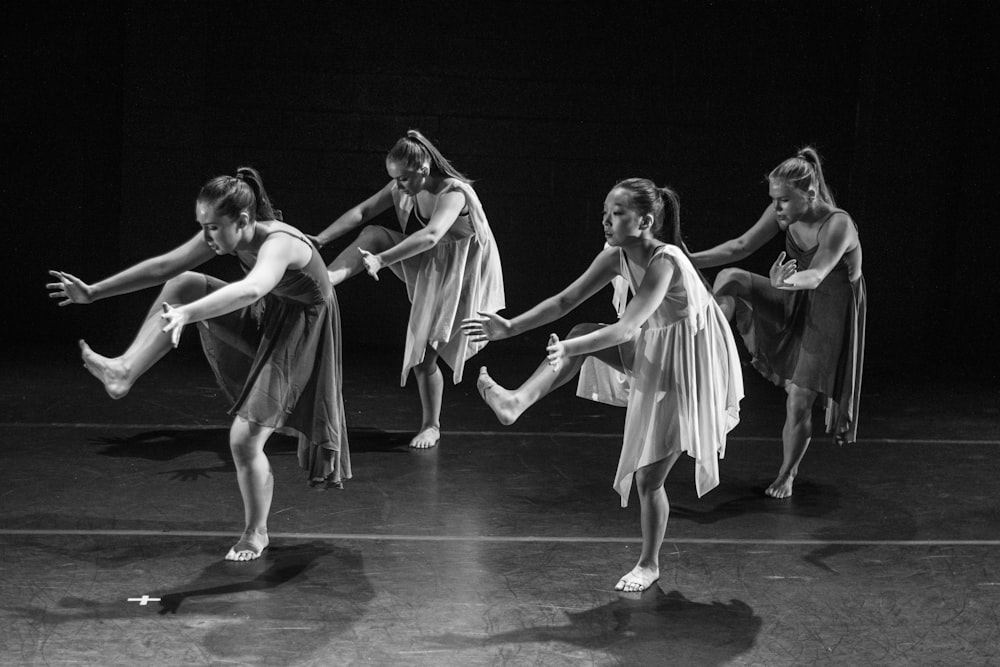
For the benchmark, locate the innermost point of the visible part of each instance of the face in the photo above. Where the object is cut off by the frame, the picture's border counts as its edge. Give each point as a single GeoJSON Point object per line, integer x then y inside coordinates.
{"type": "Point", "coordinates": [790, 203]}
{"type": "Point", "coordinates": [220, 232]}
{"type": "Point", "coordinates": [409, 181]}
{"type": "Point", "coordinates": [621, 222]}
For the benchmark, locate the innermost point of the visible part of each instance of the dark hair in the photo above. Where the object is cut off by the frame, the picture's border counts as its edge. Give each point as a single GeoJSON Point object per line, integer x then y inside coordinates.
{"type": "Point", "coordinates": [231, 195]}
{"type": "Point", "coordinates": [415, 151]}
{"type": "Point", "coordinates": [663, 203]}
{"type": "Point", "coordinates": [802, 172]}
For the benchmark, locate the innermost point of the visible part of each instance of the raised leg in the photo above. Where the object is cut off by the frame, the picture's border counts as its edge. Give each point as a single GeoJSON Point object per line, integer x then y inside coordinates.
{"type": "Point", "coordinates": [253, 473]}
{"type": "Point", "coordinates": [795, 437]}
{"type": "Point", "coordinates": [374, 239]}
{"type": "Point", "coordinates": [730, 284]}
{"type": "Point", "coordinates": [654, 510]}
{"type": "Point", "coordinates": [150, 344]}
{"type": "Point", "coordinates": [430, 383]}
{"type": "Point", "coordinates": [508, 404]}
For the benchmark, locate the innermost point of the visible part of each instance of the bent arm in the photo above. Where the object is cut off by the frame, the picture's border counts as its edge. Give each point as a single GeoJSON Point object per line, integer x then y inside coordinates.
{"type": "Point", "coordinates": [357, 215]}
{"type": "Point", "coordinates": [446, 212]}
{"type": "Point", "coordinates": [840, 235]}
{"type": "Point", "coordinates": [742, 246]}
{"type": "Point", "coordinates": [601, 271]}
{"type": "Point", "coordinates": [276, 255]}
{"type": "Point", "coordinates": [155, 270]}
{"type": "Point", "coordinates": [647, 299]}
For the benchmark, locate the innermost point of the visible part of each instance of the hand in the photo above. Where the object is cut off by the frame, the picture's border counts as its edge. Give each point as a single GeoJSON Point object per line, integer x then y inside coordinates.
{"type": "Point", "coordinates": [556, 352]}
{"type": "Point", "coordinates": [372, 263]}
{"type": "Point", "coordinates": [69, 288]}
{"type": "Point", "coordinates": [781, 271]}
{"type": "Point", "coordinates": [176, 319]}
{"type": "Point", "coordinates": [486, 327]}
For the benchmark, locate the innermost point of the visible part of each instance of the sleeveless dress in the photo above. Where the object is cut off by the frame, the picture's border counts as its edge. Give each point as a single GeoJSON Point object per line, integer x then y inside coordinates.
{"type": "Point", "coordinates": [279, 363]}
{"type": "Point", "coordinates": [682, 384]}
{"type": "Point", "coordinates": [452, 281]}
{"type": "Point", "coordinates": [812, 338]}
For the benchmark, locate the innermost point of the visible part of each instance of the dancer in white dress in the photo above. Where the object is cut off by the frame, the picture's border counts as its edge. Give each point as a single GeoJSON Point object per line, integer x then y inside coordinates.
{"type": "Point", "coordinates": [446, 254]}
{"type": "Point", "coordinates": [670, 358]}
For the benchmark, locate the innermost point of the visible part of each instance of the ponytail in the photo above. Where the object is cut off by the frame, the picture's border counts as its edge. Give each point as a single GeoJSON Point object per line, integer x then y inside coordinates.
{"type": "Point", "coordinates": [802, 172]}
{"type": "Point", "coordinates": [416, 151]}
{"type": "Point", "coordinates": [231, 195]}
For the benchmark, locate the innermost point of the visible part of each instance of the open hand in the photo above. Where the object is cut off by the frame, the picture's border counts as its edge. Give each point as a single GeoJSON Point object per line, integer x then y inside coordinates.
{"type": "Point", "coordinates": [486, 327]}
{"type": "Point", "coordinates": [372, 263]}
{"type": "Point", "coordinates": [176, 319]}
{"type": "Point", "coordinates": [781, 271]}
{"type": "Point", "coordinates": [555, 352]}
{"type": "Point", "coordinates": [69, 288]}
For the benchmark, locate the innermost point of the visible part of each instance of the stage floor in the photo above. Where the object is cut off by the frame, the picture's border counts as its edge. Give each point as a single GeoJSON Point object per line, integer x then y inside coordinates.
{"type": "Point", "coordinates": [500, 546]}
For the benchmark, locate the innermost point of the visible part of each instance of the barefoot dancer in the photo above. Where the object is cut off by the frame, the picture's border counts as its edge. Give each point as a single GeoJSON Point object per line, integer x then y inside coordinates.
{"type": "Point", "coordinates": [445, 253]}
{"type": "Point", "coordinates": [272, 338]}
{"type": "Point", "coordinates": [670, 358]}
{"type": "Point", "coordinates": [805, 326]}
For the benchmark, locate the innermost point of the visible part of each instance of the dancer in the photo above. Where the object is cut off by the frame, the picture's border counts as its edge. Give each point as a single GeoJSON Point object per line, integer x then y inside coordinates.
{"type": "Point", "coordinates": [272, 338]}
{"type": "Point", "coordinates": [446, 255]}
{"type": "Point", "coordinates": [670, 358]}
{"type": "Point", "coordinates": [804, 325]}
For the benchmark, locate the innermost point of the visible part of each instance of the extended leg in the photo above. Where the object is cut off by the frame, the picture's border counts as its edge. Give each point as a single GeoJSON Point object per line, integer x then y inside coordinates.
{"type": "Point", "coordinates": [654, 512]}
{"type": "Point", "coordinates": [795, 438]}
{"type": "Point", "coordinates": [253, 472]}
{"type": "Point", "coordinates": [508, 404]}
{"type": "Point", "coordinates": [430, 383]}
{"type": "Point", "coordinates": [730, 284]}
{"type": "Point", "coordinates": [374, 239]}
{"type": "Point", "coordinates": [118, 374]}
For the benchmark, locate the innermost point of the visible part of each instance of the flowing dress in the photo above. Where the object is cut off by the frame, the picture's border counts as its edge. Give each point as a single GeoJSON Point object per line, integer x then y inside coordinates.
{"type": "Point", "coordinates": [814, 338]}
{"type": "Point", "coordinates": [279, 362]}
{"type": "Point", "coordinates": [455, 279]}
{"type": "Point", "coordinates": [682, 383]}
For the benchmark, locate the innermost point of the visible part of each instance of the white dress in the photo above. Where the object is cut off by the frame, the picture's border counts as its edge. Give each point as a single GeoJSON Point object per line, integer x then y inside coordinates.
{"type": "Point", "coordinates": [683, 383]}
{"type": "Point", "coordinates": [454, 280]}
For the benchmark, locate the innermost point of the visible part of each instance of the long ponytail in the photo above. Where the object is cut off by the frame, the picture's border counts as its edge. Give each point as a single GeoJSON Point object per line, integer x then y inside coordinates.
{"type": "Point", "coordinates": [231, 195]}
{"type": "Point", "coordinates": [804, 171]}
{"type": "Point", "coordinates": [416, 151]}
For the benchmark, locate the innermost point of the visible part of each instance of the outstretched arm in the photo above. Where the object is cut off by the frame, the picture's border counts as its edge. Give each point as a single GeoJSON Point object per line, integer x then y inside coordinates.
{"type": "Point", "coordinates": [493, 327]}
{"type": "Point", "coordinates": [742, 246]}
{"type": "Point", "coordinates": [647, 299]}
{"type": "Point", "coordinates": [147, 273]}
{"type": "Point", "coordinates": [449, 206]}
{"type": "Point", "coordinates": [839, 235]}
{"type": "Point", "coordinates": [356, 216]}
{"type": "Point", "coordinates": [276, 255]}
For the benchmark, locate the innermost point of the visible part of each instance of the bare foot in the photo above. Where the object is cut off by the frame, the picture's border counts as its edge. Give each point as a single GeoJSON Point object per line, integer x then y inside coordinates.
{"type": "Point", "coordinates": [111, 372]}
{"type": "Point", "coordinates": [501, 401]}
{"type": "Point", "coordinates": [427, 438]}
{"type": "Point", "coordinates": [781, 487]}
{"type": "Point", "coordinates": [639, 579]}
{"type": "Point", "coordinates": [250, 546]}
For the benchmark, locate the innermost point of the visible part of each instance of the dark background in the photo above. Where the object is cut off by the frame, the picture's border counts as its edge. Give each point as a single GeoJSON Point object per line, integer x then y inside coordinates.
{"type": "Point", "coordinates": [114, 114]}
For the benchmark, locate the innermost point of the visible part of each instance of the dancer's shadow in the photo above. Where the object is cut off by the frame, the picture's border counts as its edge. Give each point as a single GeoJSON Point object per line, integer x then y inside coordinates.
{"type": "Point", "coordinates": [643, 630]}
{"type": "Point", "coordinates": [276, 567]}
{"type": "Point", "coordinates": [810, 500]}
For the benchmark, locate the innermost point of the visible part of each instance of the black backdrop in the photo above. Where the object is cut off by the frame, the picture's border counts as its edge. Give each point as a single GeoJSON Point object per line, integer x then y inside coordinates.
{"type": "Point", "coordinates": [116, 113]}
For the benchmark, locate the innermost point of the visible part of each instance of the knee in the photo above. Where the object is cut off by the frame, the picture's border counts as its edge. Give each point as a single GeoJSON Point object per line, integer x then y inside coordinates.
{"type": "Point", "coordinates": [800, 402]}
{"type": "Point", "coordinates": [427, 367]}
{"type": "Point", "coordinates": [372, 235]}
{"type": "Point", "coordinates": [647, 484]}
{"type": "Point", "coordinates": [730, 282]}
{"type": "Point", "coordinates": [188, 286]}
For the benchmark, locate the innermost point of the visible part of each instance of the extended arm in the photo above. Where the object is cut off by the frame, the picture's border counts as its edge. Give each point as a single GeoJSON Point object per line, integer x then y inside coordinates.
{"type": "Point", "coordinates": [839, 235]}
{"type": "Point", "coordinates": [647, 299]}
{"type": "Point", "coordinates": [742, 246]}
{"type": "Point", "coordinates": [276, 255]}
{"type": "Point", "coordinates": [493, 327]}
{"type": "Point", "coordinates": [449, 206]}
{"type": "Point", "coordinates": [147, 273]}
{"type": "Point", "coordinates": [357, 216]}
